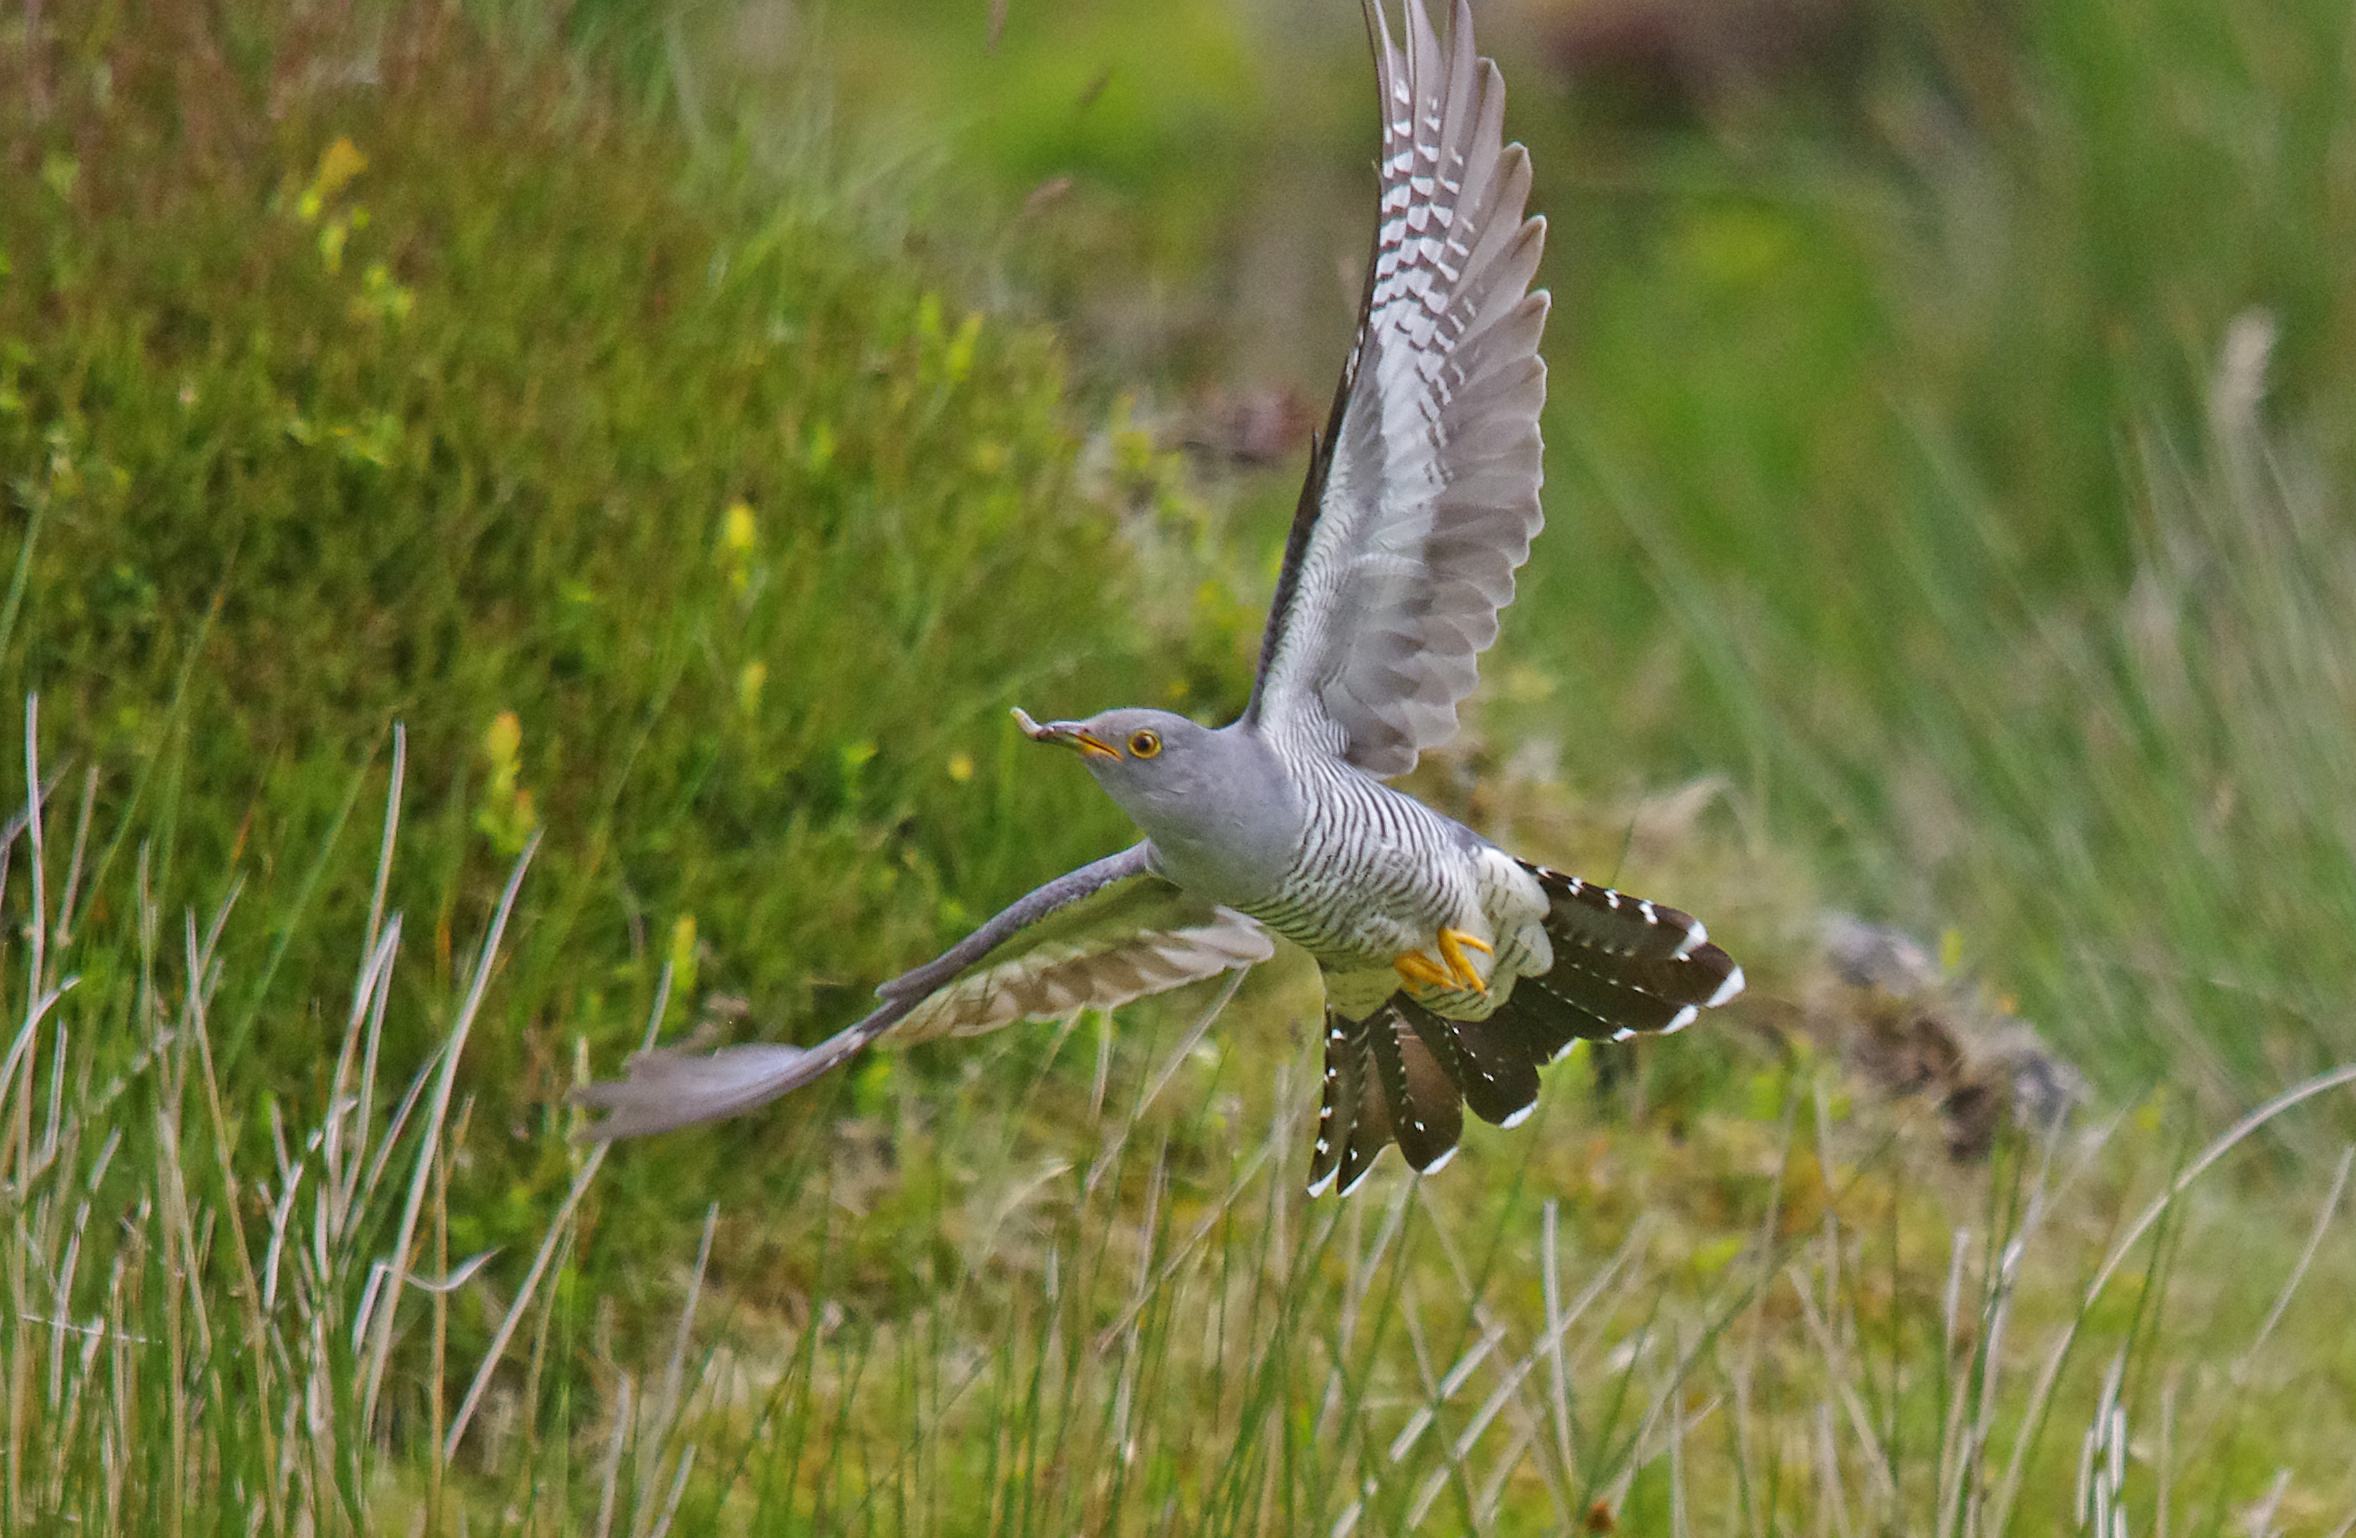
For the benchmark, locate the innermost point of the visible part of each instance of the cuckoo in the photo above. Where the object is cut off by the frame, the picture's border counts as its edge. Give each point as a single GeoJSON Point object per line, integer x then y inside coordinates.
{"type": "Point", "coordinates": [1453, 970]}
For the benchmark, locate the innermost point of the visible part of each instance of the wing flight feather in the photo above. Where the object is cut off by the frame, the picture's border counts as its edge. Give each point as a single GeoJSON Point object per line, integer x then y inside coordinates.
{"type": "Point", "coordinates": [1422, 497]}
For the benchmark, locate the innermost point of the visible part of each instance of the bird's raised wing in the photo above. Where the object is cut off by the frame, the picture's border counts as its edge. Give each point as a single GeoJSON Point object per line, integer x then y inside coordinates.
{"type": "Point", "coordinates": [1422, 497]}
{"type": "Point", "coordinates": [1106, 933]}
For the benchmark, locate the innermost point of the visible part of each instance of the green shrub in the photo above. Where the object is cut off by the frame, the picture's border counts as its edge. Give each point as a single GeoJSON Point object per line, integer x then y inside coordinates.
{"type": "Point", "coordinates": [676, 512]}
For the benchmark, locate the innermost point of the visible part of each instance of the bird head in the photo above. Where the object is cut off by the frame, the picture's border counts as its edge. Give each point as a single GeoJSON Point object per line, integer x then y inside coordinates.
{"type": "Point", "coordinates": [1150, 761]}
{"type": "Point", "coordinates": [1126, 747]}
{"type": "Point", "coordinates": [1216, 803]}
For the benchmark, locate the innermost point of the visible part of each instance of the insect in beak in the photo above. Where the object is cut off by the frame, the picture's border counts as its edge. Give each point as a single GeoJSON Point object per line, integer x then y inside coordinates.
{"type": "Point", "coordinates": [1069, 734]}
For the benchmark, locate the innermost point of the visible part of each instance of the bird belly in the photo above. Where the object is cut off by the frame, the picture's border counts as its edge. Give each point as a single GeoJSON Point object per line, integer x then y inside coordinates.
{"type": "Point", "coordinates": [1362, 916]}
{"type": "Point", "coordinates": [1390, 897]}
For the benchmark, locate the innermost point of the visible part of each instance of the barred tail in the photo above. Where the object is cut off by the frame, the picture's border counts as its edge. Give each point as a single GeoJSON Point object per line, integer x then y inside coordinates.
{"type": "Point", "coordinates": [1623, 966]}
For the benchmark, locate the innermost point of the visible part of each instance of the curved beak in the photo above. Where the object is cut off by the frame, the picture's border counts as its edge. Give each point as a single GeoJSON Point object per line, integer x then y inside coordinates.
{"type": "Point", "coordinates": [1069, 734]}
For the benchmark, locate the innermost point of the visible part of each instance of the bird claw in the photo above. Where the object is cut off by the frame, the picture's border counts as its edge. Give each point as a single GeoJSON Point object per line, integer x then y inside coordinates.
{"type": "Point", "coordinates": [1422, 971]}
{"type": "Point", "coordinates": [1453, 970]}
{"type": "Point", "coordinates": [1453, 944]}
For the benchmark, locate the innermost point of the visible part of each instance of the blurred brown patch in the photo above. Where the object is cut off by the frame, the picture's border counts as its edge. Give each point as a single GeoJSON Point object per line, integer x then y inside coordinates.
{"type": "Point", "coordinates": [1900, 1021]}
{"type": "Point", "coordinates": [1253, 425]}
{"type": "Point", "coordinates": [1667, 55]}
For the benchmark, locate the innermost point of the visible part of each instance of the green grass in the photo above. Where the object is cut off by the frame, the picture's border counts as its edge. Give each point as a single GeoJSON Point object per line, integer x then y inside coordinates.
{"type": "Point", "coordinates": [694, 447]}
{"type": "Point", "coordinates": [1080, 1292]}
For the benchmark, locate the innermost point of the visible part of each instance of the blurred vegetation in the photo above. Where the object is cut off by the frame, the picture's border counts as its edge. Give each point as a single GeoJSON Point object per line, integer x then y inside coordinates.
{"type": "Point", "coordinates": [695, 423]}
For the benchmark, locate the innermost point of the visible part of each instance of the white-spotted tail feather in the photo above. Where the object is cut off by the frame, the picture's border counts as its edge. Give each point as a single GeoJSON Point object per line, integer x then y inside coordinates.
{"type": "Point", "coordinates": [1623, 966]}
{"type": "Point", "coordinates": [1383, 1085]}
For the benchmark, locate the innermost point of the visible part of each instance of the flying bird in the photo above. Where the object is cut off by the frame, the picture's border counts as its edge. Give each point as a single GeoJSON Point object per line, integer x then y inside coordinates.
{"type": "Point", "coordinates": [1453, 970]}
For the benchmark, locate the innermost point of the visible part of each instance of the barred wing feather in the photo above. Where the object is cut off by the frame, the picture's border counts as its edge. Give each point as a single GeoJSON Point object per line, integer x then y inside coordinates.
{"type": "Point", "coordinates": [1105, 934]}
{"type": "Point", "coordinates": [1137, 937]}
{"type": "Point", "coordinates": [1422, 497]}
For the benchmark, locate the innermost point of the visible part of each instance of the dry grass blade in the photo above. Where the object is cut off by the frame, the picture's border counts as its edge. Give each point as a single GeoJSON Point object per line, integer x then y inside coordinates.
{"type": "Point", "coordinates": [2325, 1212]}
{"type": "Point", "coordinates": [429, 1140]}
{"type": "Point", "coordinates": [559, 1229]}
{"type": "Point", "coordinates": [2040, 1397]}
{"type": "Point", "coordinates": [1187, 1042]}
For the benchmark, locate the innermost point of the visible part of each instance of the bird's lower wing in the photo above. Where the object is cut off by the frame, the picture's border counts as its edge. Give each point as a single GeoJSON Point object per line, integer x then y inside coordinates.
{"type": "Point", "coordinates": [1100, 936]}
{"type": "Point", "coordinates": [1142, 936]}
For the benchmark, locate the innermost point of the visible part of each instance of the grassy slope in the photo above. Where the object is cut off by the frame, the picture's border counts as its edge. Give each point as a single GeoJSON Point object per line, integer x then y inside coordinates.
{"type": "Point", "coordinates": [666, 508]}
{"type": "Point", "coordinates": [295, 445]}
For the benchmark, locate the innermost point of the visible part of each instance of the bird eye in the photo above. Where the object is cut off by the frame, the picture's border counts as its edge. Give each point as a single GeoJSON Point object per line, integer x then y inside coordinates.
{"type": "Point", "coordinates": [1144, 744]}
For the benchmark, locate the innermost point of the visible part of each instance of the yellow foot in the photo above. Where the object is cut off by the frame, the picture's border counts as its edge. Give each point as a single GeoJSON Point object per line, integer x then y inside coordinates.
{"type": "Point", "coordinates": [1422, 971]}
{"type": "Point", "coordinates": [1452, 971]}
{"type": "Point", "coordinates": [1453, 943]}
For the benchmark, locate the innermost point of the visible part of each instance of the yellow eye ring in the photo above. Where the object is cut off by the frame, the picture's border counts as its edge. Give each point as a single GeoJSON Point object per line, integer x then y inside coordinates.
{"type": "Point", "coordinates": [1144, 744]}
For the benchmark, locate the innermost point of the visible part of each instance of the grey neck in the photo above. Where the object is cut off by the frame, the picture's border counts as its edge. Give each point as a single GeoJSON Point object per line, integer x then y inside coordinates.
{"type": "Point", "coordinates": [1234, 834]}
